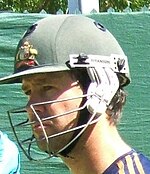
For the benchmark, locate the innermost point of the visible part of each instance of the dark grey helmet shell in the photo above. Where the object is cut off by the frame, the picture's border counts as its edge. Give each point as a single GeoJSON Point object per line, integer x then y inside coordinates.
{"type": "Point", "coordinates": [47, 44]}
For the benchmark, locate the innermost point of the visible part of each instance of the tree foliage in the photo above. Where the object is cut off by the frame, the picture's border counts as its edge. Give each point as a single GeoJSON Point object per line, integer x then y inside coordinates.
{"type": "Point", "coordinates": [52, 6]}
{"type": "Point", "coordinates": [120, 5]}
{"type": "Point", "coordinates": [33, 6]}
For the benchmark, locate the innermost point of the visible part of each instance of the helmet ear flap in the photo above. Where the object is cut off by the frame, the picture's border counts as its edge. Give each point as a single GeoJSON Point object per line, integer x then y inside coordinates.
{"type": "Point", "coordinates": [103, 72]}
{"type": "Point", "coordinates": [103, 87]}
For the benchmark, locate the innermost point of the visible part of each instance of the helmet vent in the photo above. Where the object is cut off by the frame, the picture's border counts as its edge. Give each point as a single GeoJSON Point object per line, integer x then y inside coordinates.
{"type": "Point", "coordinates": [100, 26]}
{"type": "Point", "coordinates": [30, 30]}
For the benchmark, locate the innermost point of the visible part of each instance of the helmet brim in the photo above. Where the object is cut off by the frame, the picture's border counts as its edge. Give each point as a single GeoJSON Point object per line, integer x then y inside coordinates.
{"type": "Point", "coordinates": [17, 77]}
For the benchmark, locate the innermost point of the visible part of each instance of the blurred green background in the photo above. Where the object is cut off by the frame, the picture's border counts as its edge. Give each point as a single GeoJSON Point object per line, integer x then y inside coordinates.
{"type": "Point", "coordinates": [132, 30]}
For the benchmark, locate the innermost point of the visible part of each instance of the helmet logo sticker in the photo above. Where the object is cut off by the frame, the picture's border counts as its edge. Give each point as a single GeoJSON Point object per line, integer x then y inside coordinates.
{"type": "Point", "coordinates": [25, 57]}
{"type": "Point", "coordinates": [81, 59]}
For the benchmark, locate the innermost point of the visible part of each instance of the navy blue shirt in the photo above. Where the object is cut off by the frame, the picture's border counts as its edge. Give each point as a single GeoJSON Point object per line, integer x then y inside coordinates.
{"type": "Point", "coordinates": [130, 163]}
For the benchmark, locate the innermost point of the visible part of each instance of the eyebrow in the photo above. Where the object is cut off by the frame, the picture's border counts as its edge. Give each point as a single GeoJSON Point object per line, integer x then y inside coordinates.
{"type": "Point", "coordinates": [42, 79]}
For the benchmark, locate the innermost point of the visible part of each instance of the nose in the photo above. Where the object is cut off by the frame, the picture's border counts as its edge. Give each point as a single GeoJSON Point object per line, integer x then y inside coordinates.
{"type": "Point", "coordinates": [31, 114]}
{"type": "Point", "coordinates": [34, 109]}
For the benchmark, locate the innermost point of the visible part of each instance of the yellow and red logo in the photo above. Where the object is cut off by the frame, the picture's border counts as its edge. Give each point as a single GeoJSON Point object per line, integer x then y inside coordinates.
{"type": "Point", "coordinates": [25, 57]}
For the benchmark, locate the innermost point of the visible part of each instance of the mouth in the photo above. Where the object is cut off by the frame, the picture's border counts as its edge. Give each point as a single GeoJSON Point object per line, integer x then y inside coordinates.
{"type": "Point", "coordinates": [39, 127]}
{"type": "Point", "coordinates": [39, 131]}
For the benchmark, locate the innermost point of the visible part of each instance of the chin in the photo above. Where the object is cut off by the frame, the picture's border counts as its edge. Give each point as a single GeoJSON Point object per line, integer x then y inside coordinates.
{"type": "Point", "coordinates": [42, 145]}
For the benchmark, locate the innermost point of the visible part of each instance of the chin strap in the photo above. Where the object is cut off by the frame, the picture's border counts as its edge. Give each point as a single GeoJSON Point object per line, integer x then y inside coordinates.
{"type": "Point", "coordinates": [83, 119]}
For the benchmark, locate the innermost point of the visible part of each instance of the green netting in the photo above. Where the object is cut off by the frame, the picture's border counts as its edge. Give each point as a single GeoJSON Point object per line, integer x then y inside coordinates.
{"type": "Point", "coordinates": [132, 31]}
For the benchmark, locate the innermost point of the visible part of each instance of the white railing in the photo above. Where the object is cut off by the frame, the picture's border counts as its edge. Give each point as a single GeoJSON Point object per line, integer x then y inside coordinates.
{"type": "Point", "coordinates": [144, 9]}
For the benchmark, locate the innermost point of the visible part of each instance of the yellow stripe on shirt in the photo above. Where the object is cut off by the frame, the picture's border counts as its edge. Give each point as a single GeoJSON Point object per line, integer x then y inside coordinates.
{"type": "Point", "coordinates": [130, 164]}
{"type": "Point", "coordinates": [120, 165]}
{"type": "Point", "coordinates": [138, 164]}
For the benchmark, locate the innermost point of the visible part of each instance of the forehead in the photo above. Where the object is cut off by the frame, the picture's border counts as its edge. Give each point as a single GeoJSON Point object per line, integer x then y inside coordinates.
{"type": "Point", "coordinates": [42, 78]}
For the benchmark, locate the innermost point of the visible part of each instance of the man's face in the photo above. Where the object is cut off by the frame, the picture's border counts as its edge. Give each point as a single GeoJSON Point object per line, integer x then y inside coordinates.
{"type": "Point", "coordinates": [47, 87]}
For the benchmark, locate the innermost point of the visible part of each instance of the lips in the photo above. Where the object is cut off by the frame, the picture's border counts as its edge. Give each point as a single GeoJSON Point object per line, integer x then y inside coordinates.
{"type": "Point", "coordinates": [39, 130]}
{"type": "Point", "coordinates": [39, 126]}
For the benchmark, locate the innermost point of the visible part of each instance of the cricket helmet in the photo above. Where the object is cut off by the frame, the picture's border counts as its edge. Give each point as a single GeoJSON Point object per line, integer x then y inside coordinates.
{"type": "Point", "coordinates": [47, 45]}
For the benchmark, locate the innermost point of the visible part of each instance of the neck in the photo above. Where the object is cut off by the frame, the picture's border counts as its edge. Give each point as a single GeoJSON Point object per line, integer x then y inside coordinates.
{"type": "Point", "coordinates": [97, 149]}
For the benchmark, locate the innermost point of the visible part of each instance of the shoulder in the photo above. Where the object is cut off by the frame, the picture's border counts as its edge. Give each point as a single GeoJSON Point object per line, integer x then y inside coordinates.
{"type": "Point", "coordinates": [9, 155]}
{"type": "Point", "coordinates": [131, 162]}
{"type": "Point", "coordinates": [7, 144]}
{"type": "Point", "coordinates": [145, 162]}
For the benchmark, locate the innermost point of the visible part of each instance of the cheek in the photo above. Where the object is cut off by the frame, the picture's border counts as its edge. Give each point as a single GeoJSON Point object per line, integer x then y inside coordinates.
{"type": "Point", "coordinates": [63, 107]}
{"type": "Point", "coordinates": [68, 105]}
{"type": "Point", "coordinates": [66, 119]}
